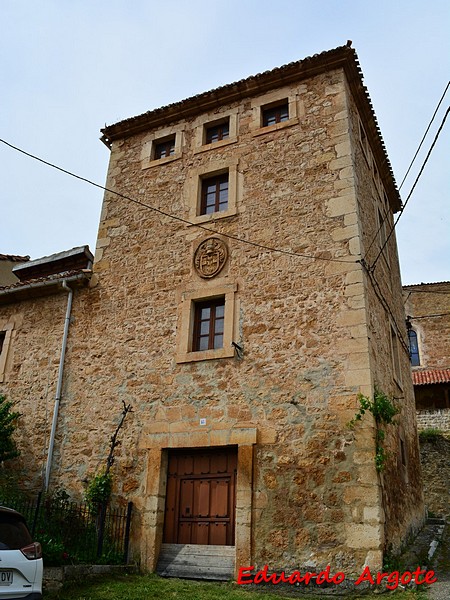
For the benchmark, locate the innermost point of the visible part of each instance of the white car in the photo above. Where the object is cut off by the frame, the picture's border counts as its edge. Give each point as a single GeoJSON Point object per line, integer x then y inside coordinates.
{"type": "Point", "coordinates": [21, 565]}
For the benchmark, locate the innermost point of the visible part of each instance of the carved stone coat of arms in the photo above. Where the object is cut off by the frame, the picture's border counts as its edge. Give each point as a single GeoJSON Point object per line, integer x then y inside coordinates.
{"type": "Point", "coordinates": [210, 257]}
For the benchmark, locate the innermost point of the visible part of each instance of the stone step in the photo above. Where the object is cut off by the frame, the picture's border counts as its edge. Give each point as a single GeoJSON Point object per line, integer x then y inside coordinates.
{"type": "Point", "coordinates": [195, 561]}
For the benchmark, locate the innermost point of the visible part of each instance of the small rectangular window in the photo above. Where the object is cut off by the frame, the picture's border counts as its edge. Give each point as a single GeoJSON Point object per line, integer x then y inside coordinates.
{"type": "Point", "coordinates": [165, 148]}
{"type": "Point", "coordinates": [209, 325]}
{"type": "Point", "coordinates": [218, 132]}
{"type": "Point", "coordinates": [275, 114]}
{"type": "Point", "coordinates": [2, 340]}
{"type": "Point", "coordinates": [214, 194]}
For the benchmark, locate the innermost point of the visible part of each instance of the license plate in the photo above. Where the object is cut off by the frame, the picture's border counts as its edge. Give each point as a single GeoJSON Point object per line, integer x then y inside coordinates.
{"type": "Point", "coordinates": [6, 577]}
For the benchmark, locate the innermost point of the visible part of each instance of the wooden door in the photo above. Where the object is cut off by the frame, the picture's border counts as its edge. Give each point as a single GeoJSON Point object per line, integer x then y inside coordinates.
{"type": "Point", "coordinates": [201, 497]}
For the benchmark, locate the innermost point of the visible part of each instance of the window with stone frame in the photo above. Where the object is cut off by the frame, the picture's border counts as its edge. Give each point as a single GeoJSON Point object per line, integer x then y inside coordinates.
{"type": "Point", "coordinates": [413, 348]}
{"type": "Point", "coordinates": [5, 340]}
{"type": "Point", "coordinates": [162, 146]}
{"type": "Point", "coordinates": [275, 113]}
{"type": "Point", "coordinates": [217, 132]}
{"type": "Point", "coordinates": [206, 323]}
{"type": "Point", "coordinates": [214, 194]}
{"type": "Point", "coordinates": [209, 318]}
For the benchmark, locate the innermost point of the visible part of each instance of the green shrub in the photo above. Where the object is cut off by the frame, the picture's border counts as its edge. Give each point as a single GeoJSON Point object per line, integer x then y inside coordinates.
{"type": "Point", "coordinates": [99, 490]}
{"type": "Point", "coordinates": [8, 424]}
{"type": "Point", "coordinates": [430, 435]}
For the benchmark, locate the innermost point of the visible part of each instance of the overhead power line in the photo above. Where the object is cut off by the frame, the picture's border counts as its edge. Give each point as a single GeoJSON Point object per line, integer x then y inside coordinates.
{"type": "Point", "coordinates": [425, 291]}
{"type": "Point", "coordinates": [386, 216]}
{"type": "Point", "coordinates": [424, 136]}
{"type": "Point", "coordinates": [174, 217]}
{"type": "Point", "coordinates": [372, 267]}
{"type": "Point", "coordinates": [428, 316]}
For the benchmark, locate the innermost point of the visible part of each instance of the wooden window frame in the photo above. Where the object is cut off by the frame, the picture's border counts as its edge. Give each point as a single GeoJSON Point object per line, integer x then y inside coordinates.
{"type": "Point", "coordinates": [213, 305]}
{"type": "Point", "coordinates": [164, 148]}
{"type": "Point", "coordinates": [280, 111]}
{"type": "Point", "coordinates": [222, 133]}
{"type": "Point", "coordinates": [217, 181]}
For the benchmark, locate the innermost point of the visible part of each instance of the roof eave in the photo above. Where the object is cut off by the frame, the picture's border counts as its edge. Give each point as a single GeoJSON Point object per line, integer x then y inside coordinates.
{"type": "Point", "coordinates": [344, 57]}
{"type": "Point", "coordinates": [47, 287]}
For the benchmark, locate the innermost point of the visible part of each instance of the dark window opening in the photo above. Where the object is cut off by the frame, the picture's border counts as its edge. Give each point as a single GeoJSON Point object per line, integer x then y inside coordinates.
{"type": "Point", "coordinates": [214, 195]}
{"type": "Point", "coordinates": [275, 114]}
{"type": "Point", "coordinates": [165, 148]}
{"type": "Point", "coordinates": [209, 320]}
{"type": "Point", "coordinates": [395, 355]}
{"type": "Point", "coordinates": [403, 452]}
{"type": "Point", "coordinates": [216, 133]}
{"type": "Point", "coordinates": [413, 348]}
{"type": "Point", "coordinates": [2, 340]}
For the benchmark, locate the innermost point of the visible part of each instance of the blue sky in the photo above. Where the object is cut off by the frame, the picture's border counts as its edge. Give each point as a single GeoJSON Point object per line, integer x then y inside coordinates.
{"type": "Point", "coordinates": [70, 66]}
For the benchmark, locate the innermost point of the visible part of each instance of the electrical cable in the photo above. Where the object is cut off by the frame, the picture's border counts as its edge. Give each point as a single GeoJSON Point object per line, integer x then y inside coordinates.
{"type": "Point", "coordinates": [385, 304]}
{"type": "Point", "coordinates": [424, 136]}
{"type": "Point", "coordinates": [386, 216]}
{"type": "Point", "coordinates": [428, 316]}
{"type": "Point", "coordinates": [425, 291]}
{"type": "Point", "coordinates": [175, 217]}
{"type": "Point", "coordinates": [372, 267]}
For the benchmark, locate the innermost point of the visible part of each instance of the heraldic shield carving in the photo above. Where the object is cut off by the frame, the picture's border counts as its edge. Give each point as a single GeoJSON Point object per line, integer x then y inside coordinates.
{"type": "Point", "coordinates": [210, 257]}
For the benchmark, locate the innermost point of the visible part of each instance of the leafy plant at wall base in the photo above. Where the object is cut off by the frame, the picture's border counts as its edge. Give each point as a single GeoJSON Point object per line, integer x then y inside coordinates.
{"type": "Point", "coordinates": [383, 410]}
{"type": "Point", "coordinates": [100, 487]}
{"type": "Point", "coordinates": [53, 550]}
{"type": "Point", "coordinates": [8, 424]}
{"type": "Point", "coordinates": [99, 490]}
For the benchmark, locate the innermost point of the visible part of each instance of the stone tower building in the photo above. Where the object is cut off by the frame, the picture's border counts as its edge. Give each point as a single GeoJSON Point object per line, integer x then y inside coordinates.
{"type": "Point", "coordinates": [243, 295]}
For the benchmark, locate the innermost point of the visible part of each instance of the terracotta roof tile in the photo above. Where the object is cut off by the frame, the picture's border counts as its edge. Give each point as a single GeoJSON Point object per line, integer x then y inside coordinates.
{"type": "Point", "coordinates": [14, 258]}
{"type": "Point", "coordinates": [429, 376]}
{"type": "Point", "coordinates": [49, 278]}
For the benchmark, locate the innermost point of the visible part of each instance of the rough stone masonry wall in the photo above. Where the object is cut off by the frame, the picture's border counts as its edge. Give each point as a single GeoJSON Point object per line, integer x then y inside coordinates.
{"type": "Point", "coordinates": [402, 508]}
{"type": "Point", "coordinates": [434, 419]}
{"type": "Point", "coordinates": [433, 332]}
{"type": "Point", "coordinates": [31, 377]}
{"type": "Point", "coordinates": [436, 468]}
{"type": "Point", "coordinates": [301, 321]}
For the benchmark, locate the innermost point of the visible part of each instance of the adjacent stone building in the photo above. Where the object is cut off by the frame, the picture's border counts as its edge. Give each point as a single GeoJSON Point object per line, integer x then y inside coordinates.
{"type": "Point", "coordinates": [244, 292]}
{"type": "Point", "coordinates": [427, 307]}
{"type": "Point", "coordinates": [7, 263]}
{"type": "Point", "coordinates": [35, 311]}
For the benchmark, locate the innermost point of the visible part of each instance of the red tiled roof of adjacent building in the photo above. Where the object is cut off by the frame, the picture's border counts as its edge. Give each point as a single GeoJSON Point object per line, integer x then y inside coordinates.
{"type": "Point", "coordinates": [48, 278]}
{"type": "Point", "coordinates": [431, 376]}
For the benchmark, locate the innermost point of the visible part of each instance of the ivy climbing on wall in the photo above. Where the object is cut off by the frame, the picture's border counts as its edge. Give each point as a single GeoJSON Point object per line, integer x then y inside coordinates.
{"type": "Point", "coordinates": [383, 410]}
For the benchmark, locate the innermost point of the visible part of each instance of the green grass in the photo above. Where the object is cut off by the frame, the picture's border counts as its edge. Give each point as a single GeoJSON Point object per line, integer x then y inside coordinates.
{"type": "Point", "coordinates": [149, 587]}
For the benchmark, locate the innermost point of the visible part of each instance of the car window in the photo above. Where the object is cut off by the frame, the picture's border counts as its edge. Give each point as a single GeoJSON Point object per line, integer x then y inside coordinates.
{"type": "Point", "coordinates": [13, 533]}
